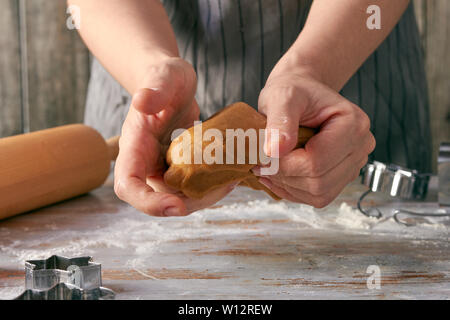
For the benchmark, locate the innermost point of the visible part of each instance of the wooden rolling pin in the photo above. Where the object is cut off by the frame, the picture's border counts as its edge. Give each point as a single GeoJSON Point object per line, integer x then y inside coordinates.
{"type": "Point", "coordinates": [49, 166]}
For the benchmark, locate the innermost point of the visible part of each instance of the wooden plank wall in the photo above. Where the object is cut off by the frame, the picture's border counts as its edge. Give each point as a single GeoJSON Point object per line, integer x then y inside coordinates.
{"type": "Point", "coordinates": [10, 84]}
{"type": "Point", "coordinates": [44, 67]}
{"type": "Point", "coordinates": [58, 66]}
{"type": "Point", "coordinates": [434, 23]}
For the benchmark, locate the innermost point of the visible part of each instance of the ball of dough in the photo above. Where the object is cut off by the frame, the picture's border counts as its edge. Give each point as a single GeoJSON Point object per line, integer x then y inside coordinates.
{"type": "Point", "coordinates": [196, 180]}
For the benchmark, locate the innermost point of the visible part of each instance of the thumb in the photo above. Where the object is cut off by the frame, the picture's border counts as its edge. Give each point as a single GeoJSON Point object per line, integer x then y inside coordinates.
{"type": "Point", "coordinates": [157, 91]}
{"type": "Point", "coordinates": [150, 101]}
{"type": "Point", "coordinates": [283, 116]}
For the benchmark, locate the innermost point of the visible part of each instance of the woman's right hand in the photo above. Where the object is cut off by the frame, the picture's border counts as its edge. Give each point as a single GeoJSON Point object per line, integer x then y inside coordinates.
{"type": "Point", "coordinates": [165, 103]}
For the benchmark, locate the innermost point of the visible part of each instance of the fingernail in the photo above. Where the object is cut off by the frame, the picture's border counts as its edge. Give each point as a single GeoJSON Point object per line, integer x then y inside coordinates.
{"type": "Point", "coordinates": [272, 146]}
{"type": "Point", "coordinates": [275, 146]}
{"type": "Point", "coordinates": [172, 212]}
{"type": "Point", "coordinates": [155, 89]}
{"type": "Point", "coordinates": [267, 143]}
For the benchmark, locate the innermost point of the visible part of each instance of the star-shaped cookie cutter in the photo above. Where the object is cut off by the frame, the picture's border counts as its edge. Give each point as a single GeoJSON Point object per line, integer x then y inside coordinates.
{"type": "Point", "coordinates": [55, 277]}
{"type": "Point", "coordinates": [65, 291]}
{"type": "Point", "coordinates": [81, 272]}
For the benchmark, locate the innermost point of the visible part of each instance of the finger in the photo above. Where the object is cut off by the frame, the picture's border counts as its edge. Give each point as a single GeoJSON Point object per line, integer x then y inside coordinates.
{"type": "Point", "coordinates": [158, 185]}
{"type": "Point", "coordinates": [152, 101]}
{"type": "Point", "coordinates": [143, 198]}
{"type": "Point", "coordinates": [159, 89]}
{"type": "Point", "coordinates": [280, 192]}
{"type": "Point", "coordinates": [309, 199]}
{"type": "Point", "coordinates": [340, 135]}
{"type": "Point", "coordinates": [210, 199]}
{"type": "Point", "coordinates": [301, 196]}
{"type": "Point", "coordinates": [130, 186]}
{"type": "Point", "coordinates": [320, 198]}
{"type": "Point", "coordinates": [321, 185]}
{"type": "Point", "coordinates": [136, 142]}
{"type": "Point", "coordinates": [283, 108]}
{"type": "Point", "coordinates": [192, 205]}
{"type": "Point", "coordinates": [308, 162]}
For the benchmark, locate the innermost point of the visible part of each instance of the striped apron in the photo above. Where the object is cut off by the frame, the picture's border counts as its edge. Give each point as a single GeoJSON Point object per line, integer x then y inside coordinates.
{"type": "Point", "coordinates": [234, 44]}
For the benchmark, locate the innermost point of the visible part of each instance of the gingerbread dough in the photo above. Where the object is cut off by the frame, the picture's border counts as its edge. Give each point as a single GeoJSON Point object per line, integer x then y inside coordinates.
{"type": "Point", "coordinates": [196, 180]}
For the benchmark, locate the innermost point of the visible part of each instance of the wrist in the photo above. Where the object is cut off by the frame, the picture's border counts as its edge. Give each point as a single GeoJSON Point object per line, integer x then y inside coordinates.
{"type": "Point", "coordinates": [307, 64]}
{"type": "Point", "coordinates": [295, 65]}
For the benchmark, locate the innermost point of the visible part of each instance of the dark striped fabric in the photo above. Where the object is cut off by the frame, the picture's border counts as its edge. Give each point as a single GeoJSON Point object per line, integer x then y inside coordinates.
{"type": "Point", "coordinates": [234, 44]}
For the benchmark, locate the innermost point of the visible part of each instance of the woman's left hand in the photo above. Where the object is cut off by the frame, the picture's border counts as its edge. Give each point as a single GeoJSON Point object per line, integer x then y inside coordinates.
{"type": "Point", "coordinates": [317, 173]}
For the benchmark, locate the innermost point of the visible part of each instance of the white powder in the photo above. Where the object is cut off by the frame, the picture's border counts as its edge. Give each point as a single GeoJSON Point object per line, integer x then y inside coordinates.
{"type": "Point", "coordinates": [9, 293]}
{"type": "Point", "coordinates": [140, 235]}
{"type": "Point", "coordinates": [353, 219]}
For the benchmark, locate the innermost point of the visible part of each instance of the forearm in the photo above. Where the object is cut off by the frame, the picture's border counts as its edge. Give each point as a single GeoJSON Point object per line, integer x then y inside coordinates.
{"type": "Point", "coordinates": [335, 41]}
{"type": "Point", "coordinates": [126, 36]}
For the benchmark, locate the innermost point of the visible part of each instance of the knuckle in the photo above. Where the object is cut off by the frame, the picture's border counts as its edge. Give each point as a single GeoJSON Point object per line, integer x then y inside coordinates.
{"type": "Point", "coordinates": [363, 122]}
{"type": "Point", "coordinates": [167, 72]}
{"type": "Point", "coordinates": [354, 175]}
{"type": "Point", "coordinates": [161, 69]}
{"type": "Point", "coordinates": [363, 162]}
{"type": "Point", "coordinates": [282, 179]}
{"type": "Point", "coordinates": [358, 117]}
{"type": "Point", "coordinates": [184, 73]}
{"type": "Point", "coordinates": [173, 73]}
{"type": "Point", "coordinates": [320, 202]}
{"type": "Point", "coordinates": [372, 143]}
{"type": "Point", "coordinates": [286, 169]}
{"type": "Point", "coordinates": [315, 169]}
{"type": "Point", "coordinates": [288, 94]}
{"type": "Point", "coordinates": [348, 108]}
{"type": "Point", "coordinates": [150, 210]}
{"type": "Point", "coordinates": [281, 94]}
{"type": "Point", "coordinates": [317, 187]}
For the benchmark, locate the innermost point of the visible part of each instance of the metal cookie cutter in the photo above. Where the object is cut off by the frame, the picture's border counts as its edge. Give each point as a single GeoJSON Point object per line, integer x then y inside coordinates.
{"type": "Point", "coordinates": [444, 174]}
{"type": "Point", "coordinates": [44, 278]}
{"type": "Point", "coordinates": [397, 182]}
{"type": "Point", "coordinates": [65, 291]}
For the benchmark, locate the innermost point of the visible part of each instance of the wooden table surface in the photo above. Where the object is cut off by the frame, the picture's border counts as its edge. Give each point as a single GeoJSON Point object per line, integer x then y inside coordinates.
{"type": "Point", "coordinates": [246, 247]}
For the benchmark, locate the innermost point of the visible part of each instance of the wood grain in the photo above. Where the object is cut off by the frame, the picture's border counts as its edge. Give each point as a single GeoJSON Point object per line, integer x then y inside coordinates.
{"type": "Point", "coordinates": [10, 93]}
{"type": "Point", "coordinates": [58, 65]}
{"type": "Point", "coordinates": [437, 48]}
{"type": "Point", "coordinates": [239, 250]}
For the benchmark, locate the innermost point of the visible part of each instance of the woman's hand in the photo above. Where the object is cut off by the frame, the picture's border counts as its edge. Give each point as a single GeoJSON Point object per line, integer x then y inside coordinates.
{"type": "Point", "coordinates": [166, 102]}
{"type": "Point", "coordinates": [316, 174]}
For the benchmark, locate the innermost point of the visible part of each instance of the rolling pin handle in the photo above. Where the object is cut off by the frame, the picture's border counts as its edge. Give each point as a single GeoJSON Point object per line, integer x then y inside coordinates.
{"type": "Point", "coordinates": [113, 147]}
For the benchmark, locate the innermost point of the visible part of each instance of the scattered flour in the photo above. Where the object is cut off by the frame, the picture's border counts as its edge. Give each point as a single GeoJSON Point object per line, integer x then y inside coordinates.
{"type": "Point", "coordinates": [353, 219]}
{"type": "Point", "coordinates": [142, 235]}
{"type": "Point", "coordinates": [138, 235]}
{"type": "Point", "coordinates": [9, 293]}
